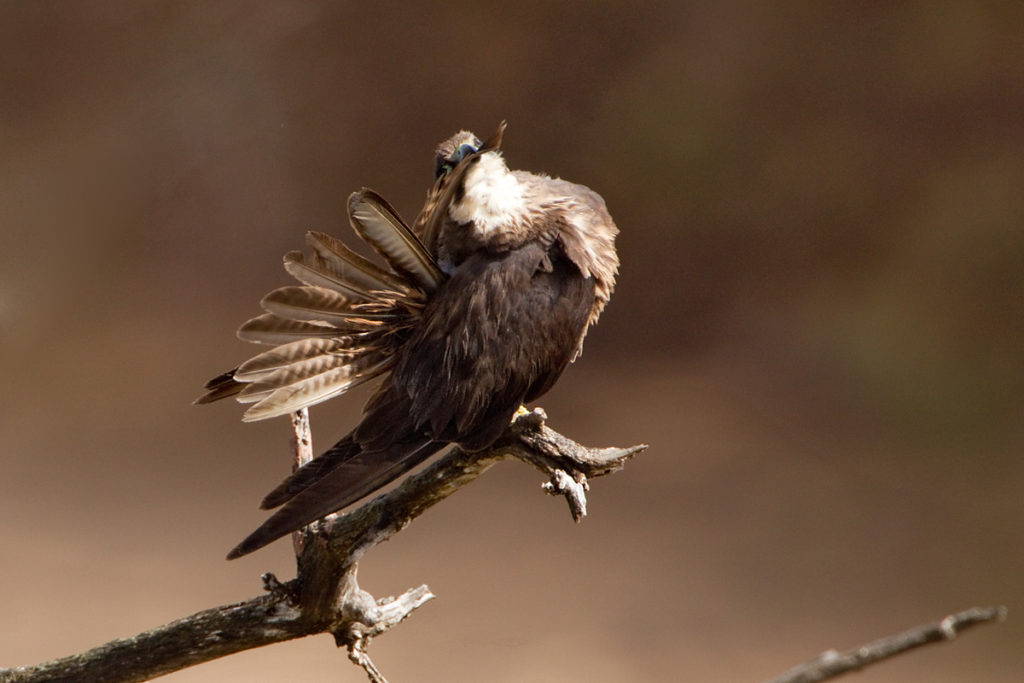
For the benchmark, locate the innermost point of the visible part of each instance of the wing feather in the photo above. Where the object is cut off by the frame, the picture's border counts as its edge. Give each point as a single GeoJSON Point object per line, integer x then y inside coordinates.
{"type": "Point", "coordinates": [341, 326]}
{"type": "Point", "coordinates": [340, 349]}
{"type": "Point", "coordinates": [358, 270]}
{"type": "Point", "coordinates": [379, 225]}
{"type": "Point", "coordinates": [270, 329]}
{"type": "Point", "coordinates": [317, 304]}
{"type": "Point", "coordinates": [317, 272]}
{"type": "Point", "coordinates": [278, 378]}
{"type": "Point", "coordinates": [310, 390]}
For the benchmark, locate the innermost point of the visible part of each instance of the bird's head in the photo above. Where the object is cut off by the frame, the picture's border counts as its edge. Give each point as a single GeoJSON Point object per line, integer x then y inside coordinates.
{"type": "Point", "coordinates": [473, 186]}
{"type": "Point", "coordinates": [453, 150]}
{"type": "Point", "coordinates": [461, 146]}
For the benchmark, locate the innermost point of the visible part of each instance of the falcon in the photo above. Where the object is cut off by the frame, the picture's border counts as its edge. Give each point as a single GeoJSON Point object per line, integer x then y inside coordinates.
{"type": "Point", "coordinates": [476, 310]}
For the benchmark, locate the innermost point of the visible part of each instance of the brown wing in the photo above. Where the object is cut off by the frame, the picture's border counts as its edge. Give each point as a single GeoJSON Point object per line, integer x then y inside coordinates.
{"type": "Point", "coordinates": [497, 333]}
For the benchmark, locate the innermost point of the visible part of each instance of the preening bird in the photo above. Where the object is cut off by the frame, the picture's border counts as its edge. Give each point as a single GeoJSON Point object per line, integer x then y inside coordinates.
{"type": "Point", "coordinates": [478, 308]}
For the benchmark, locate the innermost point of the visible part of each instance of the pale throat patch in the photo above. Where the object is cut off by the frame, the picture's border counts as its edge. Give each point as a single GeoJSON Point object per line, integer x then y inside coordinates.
{"type": "Point", "coordinates": [493, 197]}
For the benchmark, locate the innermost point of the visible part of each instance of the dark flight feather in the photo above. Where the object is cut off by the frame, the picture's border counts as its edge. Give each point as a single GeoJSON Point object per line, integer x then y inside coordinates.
{"type": "Point", "coordinates": [222, 386]}
{"type": "Point", "coordinates": [348, 480]}
{"type": "Point", "coordinates": [316, 469]}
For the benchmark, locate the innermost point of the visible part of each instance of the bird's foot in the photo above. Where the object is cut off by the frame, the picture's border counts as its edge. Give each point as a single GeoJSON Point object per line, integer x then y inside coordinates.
{"type": "Point", "coordinates": [530, 418]}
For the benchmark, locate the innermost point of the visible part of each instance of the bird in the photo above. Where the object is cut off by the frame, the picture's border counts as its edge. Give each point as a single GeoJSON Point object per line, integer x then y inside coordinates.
{"type": "Point", "coordinates": [478, 308]}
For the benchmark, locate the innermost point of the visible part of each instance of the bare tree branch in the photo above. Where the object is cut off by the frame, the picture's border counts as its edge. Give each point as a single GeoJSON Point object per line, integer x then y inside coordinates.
{"type": "Point", "coordinates": [302, 445]}
{"type": "Point", "coordinates": [325, 596]}
{"type": "Point", "coordinates": [832, 664]}
{"type": "Point", "coordinates": [197, 638]}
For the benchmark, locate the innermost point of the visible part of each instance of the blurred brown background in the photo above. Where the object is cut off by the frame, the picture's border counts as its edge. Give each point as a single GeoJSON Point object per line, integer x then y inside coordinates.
{"type": "Point", "coordinates": [818, 326]}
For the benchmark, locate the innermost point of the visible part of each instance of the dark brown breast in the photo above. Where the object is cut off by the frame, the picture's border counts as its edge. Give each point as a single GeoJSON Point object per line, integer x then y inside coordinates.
{"type": "Point", "coordinates": [497, 333]}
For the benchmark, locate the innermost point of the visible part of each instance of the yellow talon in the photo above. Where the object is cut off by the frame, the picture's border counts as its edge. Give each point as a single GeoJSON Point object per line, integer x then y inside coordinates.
{"type": "Point", "coordinates": [520, 411]}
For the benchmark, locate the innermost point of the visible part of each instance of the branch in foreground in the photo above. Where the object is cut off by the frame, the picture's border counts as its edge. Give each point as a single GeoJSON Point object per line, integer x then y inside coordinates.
{"type": "Point", "coordinates": [325, 597]}
{"type": "Point", "coordinates": [831, 664]}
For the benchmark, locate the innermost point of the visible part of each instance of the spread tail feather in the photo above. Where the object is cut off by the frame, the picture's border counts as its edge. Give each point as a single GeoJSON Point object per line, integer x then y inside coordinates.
{"type": "Point", "coordinates": [356, 475]}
